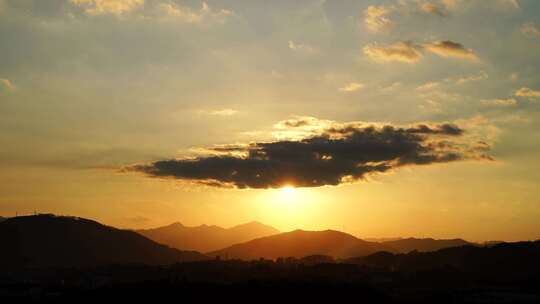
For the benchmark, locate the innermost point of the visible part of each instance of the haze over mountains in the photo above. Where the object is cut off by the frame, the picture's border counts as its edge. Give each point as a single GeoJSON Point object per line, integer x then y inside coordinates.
{"type": "Point", "coordinates": [58, 241]}
{"type": "Point", "coordinates": [206, 238]}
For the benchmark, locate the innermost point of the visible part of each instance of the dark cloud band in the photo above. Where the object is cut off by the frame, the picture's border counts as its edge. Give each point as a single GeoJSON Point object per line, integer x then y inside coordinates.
{"type": "Point", "coordinates": [337, 155]}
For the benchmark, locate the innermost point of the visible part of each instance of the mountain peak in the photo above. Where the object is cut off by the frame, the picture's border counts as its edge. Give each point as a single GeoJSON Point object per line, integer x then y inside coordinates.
{"type": "Point", "coordinates": [254, 224]}
{"type": "Point", "coordinates": [207, 237]}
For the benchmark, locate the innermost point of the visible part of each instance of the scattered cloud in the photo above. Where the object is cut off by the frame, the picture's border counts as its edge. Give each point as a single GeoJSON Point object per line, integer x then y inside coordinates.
{"type": "Point", "coordinates": [303, 48]}
{"type": "Point", "coordinates": [480, 76]}
{"type": "Point", "coordinates": [428, 86]}
{"type": "Point", "coordinates": [338, 153]}
{"type": "Point", "coordinates": [431, 8]}
{"type": "Point", "coordinates": [453, 4]}
{"type": "Point", "coordinates": [100, 7]}
{"type": "Point", "coordinates": [409, 52]}
{"type": "Point", "coordinates": [449, 48]}
{"type": "Point", "coordinates": [530, 29]}
{"type": "Point", "coordinates": [189, 15]}
{"type": "Point", "coordinates": [439, 94]}
{"type": "Point", "coordinates": [352, 87]}
{"type": "Point", "coordinates": [499, 102]}
{"type": "Point", "coordinates": [390, 88]}
{"type": "Point", "coordinates": [159, 9]}
{"type": "Point", "coordinates": [450, 4]}
{"type": "Point", "coordinates": [514, 76]}
{"type": "Point", "coordinates": [514, 3]}
{"type": "Point", "coordinates": [526, 92]}
{"type": "Point", "coordinates": [402, 51]}
{"type": "Point", "coordinates": [221, 112]}
{"type": "Point", "coordinates": [6, 84]}
{"type": "Point", "coordinates": [376, 18]}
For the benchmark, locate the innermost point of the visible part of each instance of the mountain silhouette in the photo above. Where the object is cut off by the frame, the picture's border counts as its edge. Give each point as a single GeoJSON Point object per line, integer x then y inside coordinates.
{"type": "Point", "coordinates": [300, 243]}
{"type": "Point", "coordinates": [498, 262]}
{"type": "Point", "coordinates": [426, 244]}
{"type": "Point", "coordinates": [47, 240]}
{"type": "Point", "coordinates": [206, 238]}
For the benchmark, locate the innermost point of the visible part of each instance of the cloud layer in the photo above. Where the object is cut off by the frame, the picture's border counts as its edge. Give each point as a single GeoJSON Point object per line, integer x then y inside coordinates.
{"type": "Point", "coordinates": [339, 153]}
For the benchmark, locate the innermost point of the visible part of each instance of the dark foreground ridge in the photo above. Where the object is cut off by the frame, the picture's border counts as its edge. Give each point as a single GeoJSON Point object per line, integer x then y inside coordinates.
{"type": "Point", "coordinates": [504, 273]}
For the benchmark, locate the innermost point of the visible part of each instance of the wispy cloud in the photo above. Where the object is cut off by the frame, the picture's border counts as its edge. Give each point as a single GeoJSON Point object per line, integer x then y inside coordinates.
{"type": "Point", "coordinates": [402, 51]}
{"type": "Point", "coordinates": [376, 18]}
{"type": "Point", "coordinates": [303, 48]}
{"type": "Point", "coordinates": [157, 9]}
{"type": "Point", "coordinates": [450, 4]}
{"type": "Point", "coordinates": [530, 29]}
{"type": "Point", "coordinates": [480, 76]}
{"type": "Point", "coordinates": [100, 7]}
{"type": "Point", "coordinates": [447, 48]}
{"type": "Point", "coordinates": [526, 92]}
{"type": "Point", "coordinates": [514, 3]}
{"type": "Point", "coordinates": [6, 83]}
{"type": "Point", "coordinates": [428, 86]}
{"type": "Point", "coordinates": [453, 4]}
{"type": "Point", "coordinates": [499, 102]}
{"type": "Point", "coordinates": [428, 7]}
{"type": "Point", "coordinates": [410, 52]}
{"type": "Point", "coordinates": [387, 89]}
{"type": "Point", "coordinates": [221, 112]}
{"type": "Point", "coordinates": [189, 15]}
{"type": "Point", "coordinates": [352, 87]}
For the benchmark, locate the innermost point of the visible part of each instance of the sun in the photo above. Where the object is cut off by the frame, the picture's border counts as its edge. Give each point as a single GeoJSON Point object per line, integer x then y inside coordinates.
{"type": "Point", "coordinates": [288, 190]}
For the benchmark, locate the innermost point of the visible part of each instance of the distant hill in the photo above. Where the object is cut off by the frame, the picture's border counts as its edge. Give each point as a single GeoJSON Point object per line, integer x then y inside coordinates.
{"type": "Point", "coordinates": [300, 243]}
{"type": "Point", "coordinates": [502, 260]}
{"type": "Point", "coordinates": [206, 238]}
{"type": "Point", "coordinates": [427, 244]}
{"type": "Point", "coordinates": [57, 241]}
{"type": "Point", "coordinates": [2, 219]}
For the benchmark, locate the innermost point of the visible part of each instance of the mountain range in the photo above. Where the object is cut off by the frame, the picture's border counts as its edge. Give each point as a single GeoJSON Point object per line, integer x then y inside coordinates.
{"type": "Point", "coordinates": [255, 240]}
{"type": "Point", "coordinates": [206, 238]}
{"type": "Point", "coordinates": [47, 240]}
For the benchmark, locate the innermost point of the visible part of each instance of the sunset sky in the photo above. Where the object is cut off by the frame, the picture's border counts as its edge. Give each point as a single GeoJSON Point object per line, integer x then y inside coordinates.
{"type": "Point", "coordinates": [378, 118]}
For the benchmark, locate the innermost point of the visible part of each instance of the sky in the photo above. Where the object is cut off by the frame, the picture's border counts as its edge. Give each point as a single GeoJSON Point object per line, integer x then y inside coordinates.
{"type": "Point", "coordinates": [378, 118]}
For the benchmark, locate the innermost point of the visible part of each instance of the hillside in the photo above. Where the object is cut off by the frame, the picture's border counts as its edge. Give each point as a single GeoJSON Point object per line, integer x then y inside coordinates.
{"type": "Point", "coordinates": [300, 243]}
{"type": "Point", "coordinates": [426, 244]}
{"type": "Point", "coordinates": [56, 241]}
{"type": "Point", "coordinates": [501, 261]}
